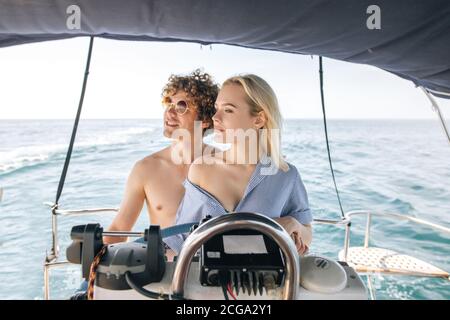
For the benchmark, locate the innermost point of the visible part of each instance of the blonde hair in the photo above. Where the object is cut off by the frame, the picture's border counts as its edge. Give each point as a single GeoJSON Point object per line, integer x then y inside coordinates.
{"type": "Point", "coordinates": [261, 97]}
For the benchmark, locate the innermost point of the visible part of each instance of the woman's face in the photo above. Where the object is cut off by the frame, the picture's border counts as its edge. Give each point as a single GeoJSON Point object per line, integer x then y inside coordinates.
{"type": "Point", "coordinates": [232, 112]}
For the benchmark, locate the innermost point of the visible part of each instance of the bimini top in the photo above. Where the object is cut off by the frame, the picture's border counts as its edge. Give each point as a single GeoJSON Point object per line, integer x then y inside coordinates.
{"type": "Point", "coordinates": [408, 38]}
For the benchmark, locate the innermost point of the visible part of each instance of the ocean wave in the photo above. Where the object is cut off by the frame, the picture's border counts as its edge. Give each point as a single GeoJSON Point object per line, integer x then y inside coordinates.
{"type": "Point", "coordinates": [25, 157]}
{"type": "Point", "coordinates": [402, 205]}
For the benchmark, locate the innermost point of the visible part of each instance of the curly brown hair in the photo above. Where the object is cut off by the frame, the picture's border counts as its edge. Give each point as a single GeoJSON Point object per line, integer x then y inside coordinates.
{"type": "Point", "coordinates": [200, 88]}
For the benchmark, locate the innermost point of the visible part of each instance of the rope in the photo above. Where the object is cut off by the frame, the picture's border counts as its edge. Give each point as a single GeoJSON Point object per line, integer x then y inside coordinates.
{"type": "Point", "coordinates": [326, 135]}
{"type": "Point", "coordinates": [93, 273]}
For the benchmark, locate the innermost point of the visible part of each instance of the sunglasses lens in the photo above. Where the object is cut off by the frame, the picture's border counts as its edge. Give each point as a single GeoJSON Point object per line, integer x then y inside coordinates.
{"type": "Point", "coordinates": [181, 107]}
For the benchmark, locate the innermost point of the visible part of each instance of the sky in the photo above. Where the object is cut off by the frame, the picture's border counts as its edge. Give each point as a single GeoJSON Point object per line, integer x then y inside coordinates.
{"type": "Point", "coordinates": [43, 81]}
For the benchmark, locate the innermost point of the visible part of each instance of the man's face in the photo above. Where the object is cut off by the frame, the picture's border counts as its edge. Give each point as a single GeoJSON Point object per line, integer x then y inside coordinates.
{"type": "Point", "coordinates": [174, 120]}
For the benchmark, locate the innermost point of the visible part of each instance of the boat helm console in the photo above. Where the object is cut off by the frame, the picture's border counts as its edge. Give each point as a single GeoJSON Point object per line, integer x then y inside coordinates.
{"type": "Point", "coordinates": [240, 256]}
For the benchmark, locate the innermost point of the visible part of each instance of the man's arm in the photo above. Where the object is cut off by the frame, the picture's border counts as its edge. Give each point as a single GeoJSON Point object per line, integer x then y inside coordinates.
{"type": "Point", "coordinates": [131, 205]}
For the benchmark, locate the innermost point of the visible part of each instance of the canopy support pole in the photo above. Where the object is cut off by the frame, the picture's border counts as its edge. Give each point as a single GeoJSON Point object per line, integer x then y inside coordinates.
{"type": "Point", "coordinates": [437, 109]}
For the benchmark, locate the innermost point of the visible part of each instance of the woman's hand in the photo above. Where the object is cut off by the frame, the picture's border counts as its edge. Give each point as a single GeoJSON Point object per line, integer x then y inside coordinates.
{"type": "Point", "coordinates": [300, 234]}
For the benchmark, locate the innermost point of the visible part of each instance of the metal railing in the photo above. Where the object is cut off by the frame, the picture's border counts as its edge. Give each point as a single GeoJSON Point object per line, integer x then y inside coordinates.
{"type": "Point", "coordinates": [51, 259]}
{"type": "Point", "coordinates": [369, 214]}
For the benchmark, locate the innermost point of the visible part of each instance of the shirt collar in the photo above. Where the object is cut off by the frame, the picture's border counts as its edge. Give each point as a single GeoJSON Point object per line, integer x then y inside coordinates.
{"type": "Point", "coordinates": [259, 174]}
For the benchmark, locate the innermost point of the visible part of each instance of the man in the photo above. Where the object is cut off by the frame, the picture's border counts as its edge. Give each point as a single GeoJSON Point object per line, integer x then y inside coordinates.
{"type": "Point", "coordinates": [157, 179]}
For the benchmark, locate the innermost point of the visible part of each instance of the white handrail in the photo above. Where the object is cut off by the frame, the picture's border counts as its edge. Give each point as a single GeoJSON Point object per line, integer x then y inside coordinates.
{"type": "Point", "coordinates": [85, 211]}
{"type": "Point", "coordinates": [344, 221]}
{"type": "Point", "coordinates": [70, 212]}
{"type": "Point", "coordinates": [349, 214]}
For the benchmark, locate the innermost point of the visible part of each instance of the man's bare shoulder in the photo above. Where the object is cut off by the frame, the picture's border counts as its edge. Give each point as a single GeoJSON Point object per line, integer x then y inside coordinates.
{"type": "Point", "coordinates": [151, 163]}
{"type": "Point", "coordinates": [157, 157]}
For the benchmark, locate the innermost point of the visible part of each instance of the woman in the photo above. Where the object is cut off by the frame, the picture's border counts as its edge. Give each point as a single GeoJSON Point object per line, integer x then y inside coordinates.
{"type": "Point", "coordinates": [247, 116]}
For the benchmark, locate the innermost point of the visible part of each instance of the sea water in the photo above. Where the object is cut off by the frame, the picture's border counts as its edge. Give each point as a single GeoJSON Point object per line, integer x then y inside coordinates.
{"type": "Point", "coordinates": [398, 166]}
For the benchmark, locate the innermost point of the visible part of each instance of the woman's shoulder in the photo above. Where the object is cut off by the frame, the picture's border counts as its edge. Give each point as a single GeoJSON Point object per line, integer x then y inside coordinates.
{"type": "Point", "coordinates": [283, 177]}
{"type": "Point", "coordinates": [203, 169]}
{"type": "Point", "coordinates": [290, 171]}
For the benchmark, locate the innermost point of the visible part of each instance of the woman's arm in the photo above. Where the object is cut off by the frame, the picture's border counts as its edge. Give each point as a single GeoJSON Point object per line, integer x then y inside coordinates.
{"type": "Point", "coordinates": [296, 217]}
{"type": "Point", "coordinates": [301, 234]}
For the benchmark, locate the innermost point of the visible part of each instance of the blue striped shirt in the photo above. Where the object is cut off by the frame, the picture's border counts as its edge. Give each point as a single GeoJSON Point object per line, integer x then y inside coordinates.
{"type": "Point", "coordinates": [276, 195]}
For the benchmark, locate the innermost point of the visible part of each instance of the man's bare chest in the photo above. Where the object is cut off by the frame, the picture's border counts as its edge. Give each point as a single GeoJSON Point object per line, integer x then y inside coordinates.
{"type": "Point", "coordinates": [163, 195]}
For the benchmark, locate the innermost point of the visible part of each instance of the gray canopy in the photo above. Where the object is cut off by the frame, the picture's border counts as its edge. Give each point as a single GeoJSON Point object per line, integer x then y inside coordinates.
{"type": "Point", "coordinates": [408, 38]}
